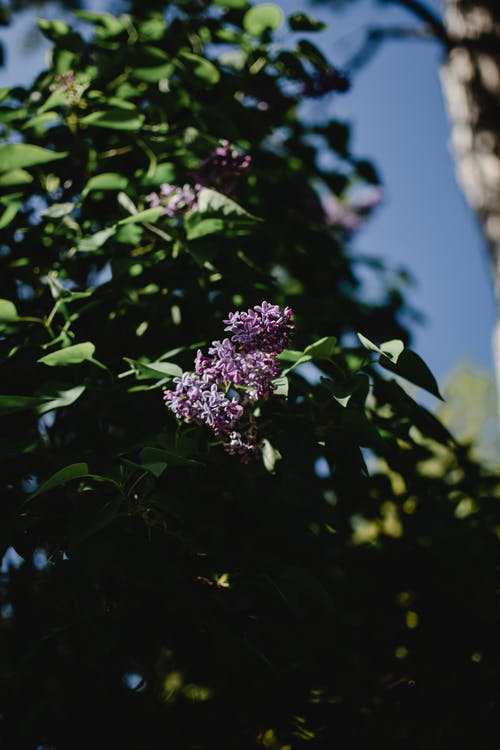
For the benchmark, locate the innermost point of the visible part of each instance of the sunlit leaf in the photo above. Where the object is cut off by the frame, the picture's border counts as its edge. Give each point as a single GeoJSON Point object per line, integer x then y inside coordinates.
{"type": "Point", "coordinates": [71, 355]}
{"type": "Point", "coordinates": [22, 155]}
{"type": "Point", "coordinates": [115, 119]}
{"type": "Point", "coordinates": [261, 18]}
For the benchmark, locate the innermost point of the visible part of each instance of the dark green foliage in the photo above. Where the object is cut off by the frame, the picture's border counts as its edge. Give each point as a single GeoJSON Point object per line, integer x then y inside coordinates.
{"type": "Point", "coordinates": [186, 600]}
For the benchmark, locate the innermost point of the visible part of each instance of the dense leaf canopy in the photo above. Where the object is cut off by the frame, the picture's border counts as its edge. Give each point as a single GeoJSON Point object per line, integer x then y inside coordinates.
{"type": "Point", "coordinates": [339, 588]}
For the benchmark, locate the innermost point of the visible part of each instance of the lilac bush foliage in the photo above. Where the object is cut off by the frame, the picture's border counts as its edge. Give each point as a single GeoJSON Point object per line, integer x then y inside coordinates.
{"type": "Point", "coordinates": [236, 372]}
{"type": "Point", "coordinates": [220, 171]}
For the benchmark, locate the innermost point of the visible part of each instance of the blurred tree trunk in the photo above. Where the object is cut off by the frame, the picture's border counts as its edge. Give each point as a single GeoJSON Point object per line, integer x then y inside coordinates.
{"type": "Point", "coordinates": [471, 83]}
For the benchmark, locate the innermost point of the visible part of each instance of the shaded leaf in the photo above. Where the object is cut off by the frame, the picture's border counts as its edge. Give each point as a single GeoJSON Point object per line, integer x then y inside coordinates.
{"type": "Point", "coordinates": [303, 22]}
{"type": "Point", "coordinates": [413, 368]}
{"type": "Point", "coordinates": [73, 471]}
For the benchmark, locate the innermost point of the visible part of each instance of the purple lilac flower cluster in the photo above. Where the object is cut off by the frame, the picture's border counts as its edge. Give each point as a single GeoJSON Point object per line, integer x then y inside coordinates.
{"type": "Point", "coordinates": [220, 171]}
{"type": "Point", "coordinates": [175, 199]}
{"type": "Point", "coordinates": [236, 373]}
{"type": "Point", "coordinates": [68, 84]}
{"type": "Point", "coordinates": [223, 167]}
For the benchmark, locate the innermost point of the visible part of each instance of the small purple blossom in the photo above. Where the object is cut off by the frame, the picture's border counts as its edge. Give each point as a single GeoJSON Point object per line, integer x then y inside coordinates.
{"type": "Point", "coordinates": [68, 84]}
{"type": "Point", "coordinates": [265, 327]}
{"type": "Point", "coordinates": [175, 199]}
{"type": "Point", "coordinates": [245, 443]}
{"type": "Point", "coordinates": [234, 374]}
{"type": "Point", "coordinates": [198, 400]}
{"type": "Point", "coordinates": [223, 168]}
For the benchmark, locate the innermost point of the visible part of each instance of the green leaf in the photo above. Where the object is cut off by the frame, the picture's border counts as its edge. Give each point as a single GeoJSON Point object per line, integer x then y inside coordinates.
{"type": "Point", "coordinates": [218, 213]}
{"type": "Point", "coordinates": [152, 74]}
{"type": "Point", "coordinates": [95, 241]}
{"type": "Point", "coordinates": [157, 370]}
{"type": "Point", "coordinates": [53, 29]}
{"type": "Point", "coordinates": [15, 177]}
{"type": "Point", "coordinates": [411, 367]}
{"type": "Point", "coordinates": [362, 430]}
{"type": "Point", "coordinates": [114, 119]}
{"type": "Point", "coordinates": [21, 155]}
{"type": "Point", "coordinates": [390, 349]}
{"type": "Point", "coordinates": [303, 22]}
{"type": "Point", "coordinates": [270, 456]}
{"type": "Point", "coordinates": [61, 399]}
{"type": "Point", "coordinates": [71, 355]}
{"type": "Point", "coordinates": [233, 4]}
{"type": "Point", "coordinates": [8, 312]}
{"type": "Point", "coordinates": [73, 471]}
{"type": "Point", "coordinates": [41, 404]}
{"type": "Point", "coordinates": [201, 68]}
{"type": "Point", "coordinates": [148, 215]}
{"type": "Point", "coordinates": [282, 385]}
{"type": "Point", "coordinates": [321, 349]}
{"type": "Point", "coordinates": [342, 392]}
{"type": "Point", "coordinates": [312, 54]}
{"type": "Point", "coordinates": [9, 213]}
{"type": "Point", "coordinates": [110, 25]}
{"type": "Point", "coordinates": [262, 18]}
{"type": "Point", "coordinates": [41, 120]}
{"type": "Point", "coordinates": [156, 460]}
{"type": "Point", "coordinates": [58, 210]}
{"type": "Point", "coordinates": [10, 404]}
{"type": "Point", "coordinates": [106, 181]}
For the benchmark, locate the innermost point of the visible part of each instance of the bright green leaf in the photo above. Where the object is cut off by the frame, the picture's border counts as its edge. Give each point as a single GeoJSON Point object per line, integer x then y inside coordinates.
{"type": "Point", "coordinates": [71, 355]}
{"type": "Point", "coordinates": [114, 119]}
{"type": "Point", "coordinates": [22, 155]}
{"type": "Point", "coordinates": [61, 399]}
{"type": "Point", "coordinates": [106, 181]}
{"type": "Point", "coordinates": [261, 18]}
{"type": "Point", "coordinates": [148, 215]}
{"type": "Point", "coordinates": [270, 456]}
{"type": "Point", "coordinates": [15, 177]}
{"type": "Point", "coordinates": [201, 68]}
{"type": "Point", "coordinates": [157, 370]}
{"type": "Point", "coordinates": [95, 241]}
{"type": "Point", "coordinates": [281, 386]}
{"type": "Point", "coordinates": [322, 349]}
{"type": "Point", "coordinates": [58, 210]}
{"type": "Point", "coordinates": [8, 312]}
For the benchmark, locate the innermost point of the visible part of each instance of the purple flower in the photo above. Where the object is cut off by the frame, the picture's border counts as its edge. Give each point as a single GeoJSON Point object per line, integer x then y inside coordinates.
{"type": "Point", "coordinates": [175, 199]}
{"type": "Point", "coordinates": [223, 168]}
{"type": "Point", "coordinates": [198, 400]}
{"type": "Point", "coordinates": [265, 327]}
{"type": "Point", "coordinates": [245, 443]}
{"type": "Point", "coordinates": [235, 373]}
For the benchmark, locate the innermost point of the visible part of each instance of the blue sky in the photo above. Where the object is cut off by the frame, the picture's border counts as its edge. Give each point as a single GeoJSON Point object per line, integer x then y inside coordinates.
{"type": "Point", "coordinates": [399, 121]}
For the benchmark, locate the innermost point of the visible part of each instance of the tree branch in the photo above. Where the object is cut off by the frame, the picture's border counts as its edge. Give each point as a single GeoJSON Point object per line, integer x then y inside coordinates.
{"type": "Point", "coordinates": [376, 36]}
{"type": "Point", "coordinates": [426, 15]}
